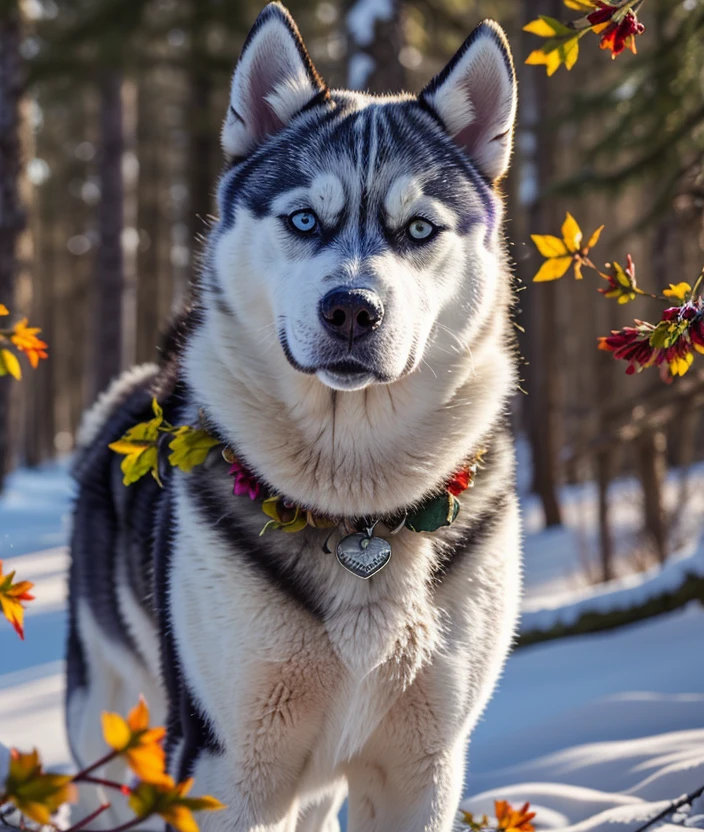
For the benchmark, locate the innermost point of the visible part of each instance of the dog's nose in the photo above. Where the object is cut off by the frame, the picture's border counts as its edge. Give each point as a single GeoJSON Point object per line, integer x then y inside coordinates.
{"type": "Point", "coordinates": [351, 313]}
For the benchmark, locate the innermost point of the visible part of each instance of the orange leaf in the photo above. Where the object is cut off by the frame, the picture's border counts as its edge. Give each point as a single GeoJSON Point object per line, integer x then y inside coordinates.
{"type": "Point", "coordinates": [513, 820]}
{"type": "Point", "coordinates": [11, 597]}
{"type": "Point", "coordinates": [169, 801]}
{"type": "Point", "coordinates": [137, 742]}
{"type": "Point", "coordinates": [25, 339]}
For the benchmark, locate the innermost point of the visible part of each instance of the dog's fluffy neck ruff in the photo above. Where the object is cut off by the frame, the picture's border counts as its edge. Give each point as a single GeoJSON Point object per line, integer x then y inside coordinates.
{"type": "Point", "coordinates": [369, 452]}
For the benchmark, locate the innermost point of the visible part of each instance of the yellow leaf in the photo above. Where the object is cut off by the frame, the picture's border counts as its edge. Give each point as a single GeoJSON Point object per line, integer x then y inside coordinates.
{"type": "Point", "coordinates": [180, 818]}
{"type": "Point", "coordinates": [594, 239]}
{"type": "Point", "coordinates": [10, 364]}
{"type": "Point", "coordinates": [680, 364]}
{"type": "Point", "coordinates": [138, 743]}
{"type": "Point", "coordinates": [4, 310]}
{"type": "Point", "coordinates": [570, 53]}
{"type": "Point", "coordinates": [678, 290]}
{"type": "Point", "coordinates": [148, 762]}
{"type": "Point", "coordinates": [139, 445]}
{"type": "Point", "coordinates": [584, 6]}
{"type": "Point", "coordinates": [203, 804]}
{"type": "Point", "coordinates": [571, 233]}
{"type": "Point", "coordinates": [125, 446]}
{"type": "Point", "coordinates": [116, 731]}
{"type": "Point", "coordinates": [190, 447]}
{"type": "Point", "coordinates": [289, 519]}
{"type": "Point", "coordinates": [135, 466]}
{"type": "Point", "coordinates": [169, 801]}
{"type": "Point", "coordinates": [551, 60]}
{"type": "Point", "coordinates": [548, 245]}
{"type": "Point", "coordinates": [539, 27]}
{"type": "Point", "coordinates": [553, 269]}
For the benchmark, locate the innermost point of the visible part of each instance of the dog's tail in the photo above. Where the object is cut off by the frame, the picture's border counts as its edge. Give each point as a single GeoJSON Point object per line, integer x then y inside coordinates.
{"type": "Point", "coordinates": [108, 402]}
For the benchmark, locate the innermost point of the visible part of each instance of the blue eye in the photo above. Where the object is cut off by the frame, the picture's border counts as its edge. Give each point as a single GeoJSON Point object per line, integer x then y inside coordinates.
{"type": "Point", "coordinates": [303, 221]}
{"type": "Point", "coordinates": [420, 229]}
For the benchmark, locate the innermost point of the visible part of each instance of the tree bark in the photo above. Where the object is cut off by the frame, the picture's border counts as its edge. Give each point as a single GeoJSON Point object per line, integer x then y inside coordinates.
{"type": "Point", "coordinates": [110, 267]}
{"type": "Point", "coordinates": [651, 457]}
{"type": "Point", "coordinates": [542, 372]}
{"type": "Point", "coordinates": [604, 469]}
{"type": "Point", "coordinates": [149, 222]}
{"type": "Point", "coordinates": [373, 62]}
{"type": "Point", "coordinates": [12, 218]}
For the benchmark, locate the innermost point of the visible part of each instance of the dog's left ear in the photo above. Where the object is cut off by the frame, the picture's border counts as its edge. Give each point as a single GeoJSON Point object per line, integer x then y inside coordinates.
{"type": "Point", "coordinates": [274, 80]}
{"type": "Point", "coordinates": [475, 98]}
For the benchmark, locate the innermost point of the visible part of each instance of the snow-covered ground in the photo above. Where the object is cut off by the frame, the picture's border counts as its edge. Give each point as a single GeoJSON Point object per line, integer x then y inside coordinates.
{"type": "Point", "coordinates": [598, 732]}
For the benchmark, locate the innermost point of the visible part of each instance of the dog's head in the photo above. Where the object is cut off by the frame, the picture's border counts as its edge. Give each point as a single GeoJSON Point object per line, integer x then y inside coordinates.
{"type": "Point", "coordinates": [361, 232]}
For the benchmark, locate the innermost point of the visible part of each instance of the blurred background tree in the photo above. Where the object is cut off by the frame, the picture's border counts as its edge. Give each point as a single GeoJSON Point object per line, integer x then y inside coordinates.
{"type": "Point", "coordinates": [113, 108]}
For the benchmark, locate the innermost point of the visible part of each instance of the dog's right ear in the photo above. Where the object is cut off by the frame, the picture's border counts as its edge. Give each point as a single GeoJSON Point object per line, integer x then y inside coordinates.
{"type": "Point", "coordinates": [274, 80]}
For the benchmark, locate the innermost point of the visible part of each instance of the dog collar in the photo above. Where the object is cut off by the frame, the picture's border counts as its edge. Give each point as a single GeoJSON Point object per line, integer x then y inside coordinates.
{"type": "Point", "coordinates": [358, 549]}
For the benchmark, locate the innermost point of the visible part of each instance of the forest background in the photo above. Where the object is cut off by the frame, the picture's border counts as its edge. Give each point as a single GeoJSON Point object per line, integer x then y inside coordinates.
{"type": "Point", "coordinates": [110, 112]}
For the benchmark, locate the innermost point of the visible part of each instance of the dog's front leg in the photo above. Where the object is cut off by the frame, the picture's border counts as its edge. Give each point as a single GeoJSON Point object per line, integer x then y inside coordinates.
{"type": "Point", "coordinates": [254, 801]}
{"type": "Point", "coordinates": [409, 795]}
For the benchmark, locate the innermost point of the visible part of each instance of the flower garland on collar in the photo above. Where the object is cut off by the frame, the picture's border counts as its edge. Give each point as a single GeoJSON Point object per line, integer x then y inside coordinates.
{"type": "Point", "coordinates": [142, 447]}
{"type": "Point", "coordinates": [436, 511]}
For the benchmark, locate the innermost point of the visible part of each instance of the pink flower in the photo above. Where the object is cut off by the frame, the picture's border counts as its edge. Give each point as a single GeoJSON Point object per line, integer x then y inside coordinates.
{"type": "Point", "coordinates": [245, 482]}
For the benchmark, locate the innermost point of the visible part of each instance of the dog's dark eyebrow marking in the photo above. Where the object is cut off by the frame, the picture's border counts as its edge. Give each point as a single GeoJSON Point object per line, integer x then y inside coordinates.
{"type": "Point", "coordinates": [275, 568]}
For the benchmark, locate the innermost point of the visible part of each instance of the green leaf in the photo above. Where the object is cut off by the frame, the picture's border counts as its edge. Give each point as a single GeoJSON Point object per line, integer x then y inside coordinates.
{"type": "Point", "coordinates": [139, 445]}
{"type": "Point", "coordinates": [190, 447]}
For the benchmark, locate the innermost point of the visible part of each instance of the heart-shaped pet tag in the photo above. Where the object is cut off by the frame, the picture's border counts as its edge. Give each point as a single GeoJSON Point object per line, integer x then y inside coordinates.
{"type": "Point", "coordinates": [362, 554]}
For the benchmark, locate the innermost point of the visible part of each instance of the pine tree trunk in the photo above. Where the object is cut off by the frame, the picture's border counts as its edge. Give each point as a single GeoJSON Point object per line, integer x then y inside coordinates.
{"type": "Point", "coordinates": [374, 45]}
{"type": "Point", "coordinates": [651, 458]}
{"type": "Point", "coordinates": [201, 146]}
{"type": "Point", "coordinates": [12, 219]}
{"type": "Point", "coordinates": [110, 275]}
{"type": "Point", "coordinates": [200, 161]}
{"type": "Point", "coordinates": [542, 376]}
{"type": "Point", "coordinates": [149, 222]}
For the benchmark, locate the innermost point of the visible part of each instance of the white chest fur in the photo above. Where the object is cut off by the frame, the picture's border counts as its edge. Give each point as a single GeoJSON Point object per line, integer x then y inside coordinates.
{"type": "Point", "coordinates": [251, 653]}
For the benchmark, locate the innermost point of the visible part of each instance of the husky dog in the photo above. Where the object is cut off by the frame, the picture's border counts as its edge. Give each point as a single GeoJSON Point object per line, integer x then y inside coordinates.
{"type": "Point", "coordinates": [350, 341]}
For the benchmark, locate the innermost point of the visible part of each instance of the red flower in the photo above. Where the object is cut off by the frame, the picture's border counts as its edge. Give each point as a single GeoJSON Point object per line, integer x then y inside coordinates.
{"type": "Point", "coordinates": [620, 36]}
{"type": "Point", "coordinates": [245, 482]}
{"type": "Point", "coordinates": [696, 334]}
{"type": "Point", "coordinates": [631, 344]}
{"type": "Point", "coordinates": [601, 15]}
{"type": "Point", "coordinates": [459, 482]}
